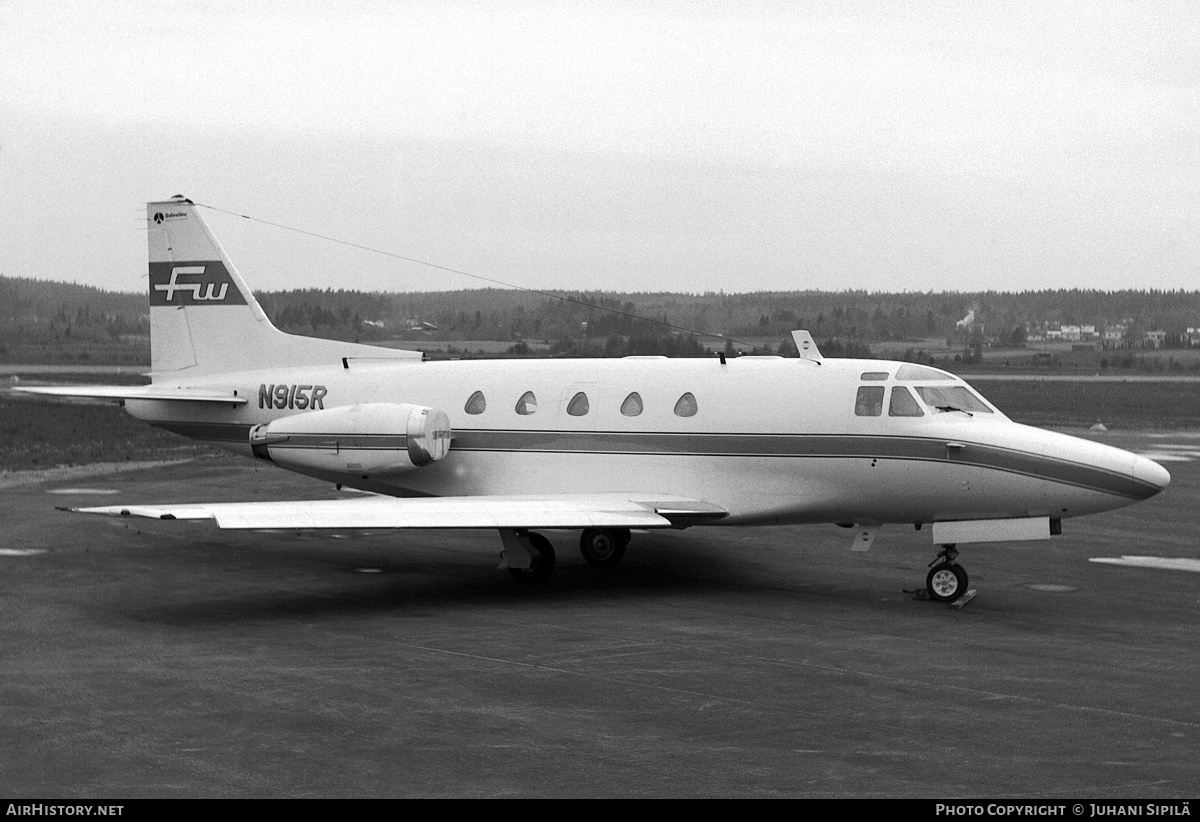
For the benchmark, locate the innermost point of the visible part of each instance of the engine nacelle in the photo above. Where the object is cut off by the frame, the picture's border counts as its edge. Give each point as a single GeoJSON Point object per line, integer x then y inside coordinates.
{"type": "Point", "coordinates": [367, 439]}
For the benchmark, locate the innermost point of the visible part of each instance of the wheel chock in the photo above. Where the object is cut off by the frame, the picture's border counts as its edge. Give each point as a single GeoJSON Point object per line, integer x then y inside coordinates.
{"type": "Point", "coordinates": [922, 595]}
{"type": "Point", "coordinates": [963, 600]}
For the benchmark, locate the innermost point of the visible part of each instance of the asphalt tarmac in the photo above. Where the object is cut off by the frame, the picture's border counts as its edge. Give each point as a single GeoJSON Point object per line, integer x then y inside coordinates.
{"type": "Point", "coordinates": [170, 659]}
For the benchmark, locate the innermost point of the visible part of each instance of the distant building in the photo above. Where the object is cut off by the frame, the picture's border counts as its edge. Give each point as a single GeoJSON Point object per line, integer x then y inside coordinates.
{"type": "Point", "coordinates": [1074, 333]}
{"type": "Point", "coordinates": [1113, 336]}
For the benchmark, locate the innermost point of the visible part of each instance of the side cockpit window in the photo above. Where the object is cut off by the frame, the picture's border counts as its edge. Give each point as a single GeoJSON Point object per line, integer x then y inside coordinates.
{"type": "Point", "coordinates": [902, 404]}
{"type": "Point", "coordinates": [869, 402]}
{"type": "Point", "coordinates": [476, 403]}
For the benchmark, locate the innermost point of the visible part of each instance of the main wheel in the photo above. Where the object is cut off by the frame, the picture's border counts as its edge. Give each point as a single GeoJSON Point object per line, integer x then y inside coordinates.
{"type": "Point", "coordinates": [603, 548]}
{"type": "Point", "coordinates": [542, 563]}
{"type": "Point", "coordinates": [946, 582]}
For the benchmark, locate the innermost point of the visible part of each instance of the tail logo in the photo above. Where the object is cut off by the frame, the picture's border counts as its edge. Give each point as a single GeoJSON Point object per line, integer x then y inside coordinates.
{"type": "Point", "coordinates": [174, 285]}
{"type": "Point", "coordinates": [192, 284]}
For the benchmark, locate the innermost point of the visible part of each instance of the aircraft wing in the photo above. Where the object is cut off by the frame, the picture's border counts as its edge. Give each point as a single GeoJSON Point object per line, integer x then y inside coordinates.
{"type": "Point", "coordinates": [556, 511]}
{"type": "Point", "coordinates": [117, 393]}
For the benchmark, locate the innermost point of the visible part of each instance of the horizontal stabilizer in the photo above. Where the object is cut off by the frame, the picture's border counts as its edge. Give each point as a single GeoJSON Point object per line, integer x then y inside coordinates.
{"type": "Point", "coordinates": [117, 393]}
{"type": "Point", "coordinates": [568, 511]}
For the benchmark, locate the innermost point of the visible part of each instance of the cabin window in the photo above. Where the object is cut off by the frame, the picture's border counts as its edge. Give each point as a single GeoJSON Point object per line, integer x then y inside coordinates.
{"type": "Point", "coordinates": [527, 404]}
{"type": "Point", "coordinates": [903, 404]}
{"type": "Point", "coordinates": [686, 406]}
{"type": "Point", "coordinates": [952, 398]}
{"type": "Point", "coordinates": [476, 403]}
{"type": "Point", "coordinates": [632, 405]}
{"type": "Point", "coordinates": [578, 405]}
{"type": "Point", "coordinates": [869, 402]}
{"type": "Point", "coordinates": [874, 376]}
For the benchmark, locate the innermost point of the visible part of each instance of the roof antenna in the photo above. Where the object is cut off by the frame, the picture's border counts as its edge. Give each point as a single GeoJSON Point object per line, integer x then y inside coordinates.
{"type": "Point", "coordinates": [806, 346]}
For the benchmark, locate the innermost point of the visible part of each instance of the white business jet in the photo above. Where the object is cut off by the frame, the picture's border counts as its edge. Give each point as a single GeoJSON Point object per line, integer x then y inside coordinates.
{"type": "Point", "coordinates": [604, 446]}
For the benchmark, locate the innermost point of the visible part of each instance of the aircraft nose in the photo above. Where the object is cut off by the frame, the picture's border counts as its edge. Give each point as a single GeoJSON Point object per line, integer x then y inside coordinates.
{"type": "Point", "coordinates": [1150, 472]}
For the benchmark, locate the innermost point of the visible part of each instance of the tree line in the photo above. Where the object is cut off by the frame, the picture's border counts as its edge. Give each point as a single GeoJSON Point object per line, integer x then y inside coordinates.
{"type": "Point", "coordinates": [581, 323]}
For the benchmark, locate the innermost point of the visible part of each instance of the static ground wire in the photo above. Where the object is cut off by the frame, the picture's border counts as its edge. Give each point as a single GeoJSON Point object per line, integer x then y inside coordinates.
{"type": "Point", "coordinates": [480, 277]}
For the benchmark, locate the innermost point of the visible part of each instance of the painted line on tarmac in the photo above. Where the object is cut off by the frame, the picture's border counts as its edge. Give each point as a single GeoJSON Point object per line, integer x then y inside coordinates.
{"type": "Point", "coordinates": [21, 552]}
{"type": "Point", "coordinates": [1167, 456]}
{"type": "Point", "coordinates": [1165, 563]}
{"type": "Point", "coordinates": [91, 491]}
{"type": "Point", "coordinates": [1171, 452]}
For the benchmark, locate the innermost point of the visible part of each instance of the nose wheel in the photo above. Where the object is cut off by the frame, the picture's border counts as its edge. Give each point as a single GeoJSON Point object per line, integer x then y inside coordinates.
{"type": "Point", "coordinates": [947, 580]}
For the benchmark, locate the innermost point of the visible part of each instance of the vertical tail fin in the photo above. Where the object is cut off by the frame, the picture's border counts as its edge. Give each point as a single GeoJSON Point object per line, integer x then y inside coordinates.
{"type": "Point", "coordinates": [204, 318]}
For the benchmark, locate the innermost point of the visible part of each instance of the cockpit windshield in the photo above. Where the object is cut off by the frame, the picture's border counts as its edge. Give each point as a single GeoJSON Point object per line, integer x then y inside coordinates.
{"type": "Point", "coordinates": [947, 394]}
{"type": "Point", "coordinates": [952, 398]}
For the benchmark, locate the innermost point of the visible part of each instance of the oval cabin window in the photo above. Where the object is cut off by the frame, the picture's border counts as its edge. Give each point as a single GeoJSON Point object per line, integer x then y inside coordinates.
{"type": "Point", "coordinates": [527, 404]}
{"type": "Point", "coordinates": [686, 407]}
{"type": "Point", "coordinates": [476, 403]}
{"type": "Point", "coordinates": [632, 405]}
{"type": "Point", "coordinates": [578, 405]}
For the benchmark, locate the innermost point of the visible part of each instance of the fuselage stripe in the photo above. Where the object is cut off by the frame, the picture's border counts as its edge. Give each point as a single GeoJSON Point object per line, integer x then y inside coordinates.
{"type": "Point", "coordinates": [675, 444]}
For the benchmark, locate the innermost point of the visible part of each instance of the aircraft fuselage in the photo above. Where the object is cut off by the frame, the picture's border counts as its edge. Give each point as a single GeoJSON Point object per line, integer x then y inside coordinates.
{"type": "Point", "coordinates": [772, 440]}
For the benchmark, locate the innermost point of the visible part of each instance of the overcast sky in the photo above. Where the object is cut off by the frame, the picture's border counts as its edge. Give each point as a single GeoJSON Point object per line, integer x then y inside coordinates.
{"type": "Point", "coordinates": [612, 145]}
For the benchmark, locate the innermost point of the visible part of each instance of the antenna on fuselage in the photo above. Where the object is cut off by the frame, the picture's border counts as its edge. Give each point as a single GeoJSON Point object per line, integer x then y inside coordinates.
{"type": "Point", "coordinates": [806, 346]}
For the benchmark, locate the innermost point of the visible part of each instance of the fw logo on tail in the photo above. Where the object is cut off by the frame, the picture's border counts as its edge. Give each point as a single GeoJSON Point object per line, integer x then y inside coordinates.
{"type": "Point", "coordinates": [192, 283]}
{"type": "Point", "coordinates": [174, 285]}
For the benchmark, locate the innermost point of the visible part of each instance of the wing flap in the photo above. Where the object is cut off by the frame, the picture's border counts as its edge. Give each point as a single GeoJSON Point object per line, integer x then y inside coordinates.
{"type": "Point", "coordinates": [568, 511]}
{"type": "Point", "coordinates": [117, 393]}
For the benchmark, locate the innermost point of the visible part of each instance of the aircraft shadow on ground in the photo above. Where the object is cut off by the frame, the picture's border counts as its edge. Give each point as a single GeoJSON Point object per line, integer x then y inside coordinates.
{"type": "Point", "coordinates": [311, 582]}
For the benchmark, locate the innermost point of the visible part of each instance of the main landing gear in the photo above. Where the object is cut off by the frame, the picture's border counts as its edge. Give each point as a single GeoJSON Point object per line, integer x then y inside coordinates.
{"type": "Point", "coordinates": [529, 557]}
{"type": "Point", "coordinates": [603, 548]}
{"type": "Point", "coordinates": [947, 581]}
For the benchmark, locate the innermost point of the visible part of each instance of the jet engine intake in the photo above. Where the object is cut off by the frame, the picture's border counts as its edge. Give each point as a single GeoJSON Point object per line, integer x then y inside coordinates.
{"type": "Point", "coordinates": [365, 439]}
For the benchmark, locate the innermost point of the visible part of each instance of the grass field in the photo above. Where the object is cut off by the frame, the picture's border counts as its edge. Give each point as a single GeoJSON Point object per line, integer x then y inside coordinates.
{"type": "Point", "coordinates": [37, 433]}
{"type": "Point", "coordinates": [1128, 405]}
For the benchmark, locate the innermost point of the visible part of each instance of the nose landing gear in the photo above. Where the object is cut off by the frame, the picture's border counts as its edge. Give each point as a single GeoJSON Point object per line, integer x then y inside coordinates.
{"type": "Point", "coordinates": [947, 581]}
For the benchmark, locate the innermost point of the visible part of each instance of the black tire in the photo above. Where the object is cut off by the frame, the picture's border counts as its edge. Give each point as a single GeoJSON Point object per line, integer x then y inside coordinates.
{"type": "Point", "coordinates": [946, 582]}
{"type": "Point", "coordinates": [541, 566]}
{"type": "Point", "coordinates": [603, 548]}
